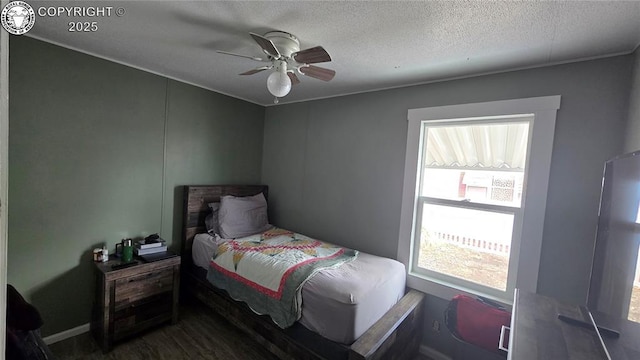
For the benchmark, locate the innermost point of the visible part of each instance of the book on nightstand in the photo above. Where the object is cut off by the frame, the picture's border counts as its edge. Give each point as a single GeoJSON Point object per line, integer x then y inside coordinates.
{"type": "Point", "coordinates": [142, 246]}
{"type": "Point", "coordinates": [152, 250]}
{"type": "Point", "coordinates": [158, 256]}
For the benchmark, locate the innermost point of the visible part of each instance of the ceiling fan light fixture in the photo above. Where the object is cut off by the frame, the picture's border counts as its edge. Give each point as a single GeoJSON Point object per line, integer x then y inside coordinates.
{"type": "Point", "coordinates": [279, 83]}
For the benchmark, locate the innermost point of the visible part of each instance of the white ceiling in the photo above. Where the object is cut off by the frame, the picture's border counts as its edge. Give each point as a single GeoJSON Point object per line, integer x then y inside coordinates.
{"type": "Point", "coordinates": [374, 45]}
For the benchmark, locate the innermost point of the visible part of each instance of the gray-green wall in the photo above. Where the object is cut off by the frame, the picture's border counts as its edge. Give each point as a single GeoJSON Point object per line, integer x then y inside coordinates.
{"type": "Point", "coordinates": [97, 152]}
{"type": "Point", "coordinates": [632, 141]}
{"type": "Point", "coordinates": [335, 167]}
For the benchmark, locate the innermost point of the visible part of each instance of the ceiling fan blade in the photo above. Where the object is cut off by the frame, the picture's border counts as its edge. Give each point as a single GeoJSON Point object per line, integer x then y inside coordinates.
{"type": "Point", "coordinates": [318, 72]}
{"type": "Point", "coordinates": [294, 78]}
{"type": "Point", "coordinates": [242, 56]}
{"type": "Point", "coordinates": [311, 56]}
{"type": "Point", "coordinates": [256, 70]}
{"type": "Point", "coordinates": [267, 45]}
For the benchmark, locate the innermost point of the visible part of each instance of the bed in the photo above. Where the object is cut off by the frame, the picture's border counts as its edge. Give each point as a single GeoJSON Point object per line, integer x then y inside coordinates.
{"type": "Point", "coordinates": [396, 335]}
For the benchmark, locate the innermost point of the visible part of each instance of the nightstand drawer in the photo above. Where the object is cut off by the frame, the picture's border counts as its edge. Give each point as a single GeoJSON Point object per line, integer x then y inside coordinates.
{"type": "Point", "coordinates": [129, 290]}
{"type": "Point", "coordinates": [142, 313]}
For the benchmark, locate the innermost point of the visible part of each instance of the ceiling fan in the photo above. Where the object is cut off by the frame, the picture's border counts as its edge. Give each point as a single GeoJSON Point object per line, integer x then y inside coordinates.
{"type": "Point", "coordinates": [286, 59]}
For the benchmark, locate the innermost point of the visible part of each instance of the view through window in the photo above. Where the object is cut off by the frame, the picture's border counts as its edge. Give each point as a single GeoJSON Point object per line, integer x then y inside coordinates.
{"type": "Point", "coordinates": [470, 199]}
{"type": "Point", "coordinates": [634, 306]}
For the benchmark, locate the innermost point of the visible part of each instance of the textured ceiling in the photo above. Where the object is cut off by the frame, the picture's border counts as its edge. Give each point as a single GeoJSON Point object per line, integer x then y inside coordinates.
{"type": "Point", "coordinates": [374, 45]}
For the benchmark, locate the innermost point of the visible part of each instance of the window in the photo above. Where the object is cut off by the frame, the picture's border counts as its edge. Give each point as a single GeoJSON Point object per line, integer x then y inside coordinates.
{"type": "Point", "coordinates": [468, 200]}
{"type": "Point", "coordinates": [634, 302]}
{"type": "Point", "coordinates": [474, 196]}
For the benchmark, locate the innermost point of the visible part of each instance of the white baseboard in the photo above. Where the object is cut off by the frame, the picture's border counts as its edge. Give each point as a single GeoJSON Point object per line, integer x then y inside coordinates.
{"type": "Point", "coordinates": [433, 353]}
{"type": "Point", "coordinates": [63, 335]}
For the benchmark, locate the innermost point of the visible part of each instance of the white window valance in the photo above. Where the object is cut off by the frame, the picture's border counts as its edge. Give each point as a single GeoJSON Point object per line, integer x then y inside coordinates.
{"type": "Point", "coordinates": [483, 146]}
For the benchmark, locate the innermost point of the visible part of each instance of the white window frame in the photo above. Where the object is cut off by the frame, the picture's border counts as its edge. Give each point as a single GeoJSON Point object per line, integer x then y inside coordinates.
{"type": "Point", "coordinates": [526, 251]}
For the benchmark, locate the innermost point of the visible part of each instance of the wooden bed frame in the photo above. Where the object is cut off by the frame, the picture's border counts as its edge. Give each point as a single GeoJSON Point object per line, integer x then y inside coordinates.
{"type": "Point", "coordinates": [397, 335]}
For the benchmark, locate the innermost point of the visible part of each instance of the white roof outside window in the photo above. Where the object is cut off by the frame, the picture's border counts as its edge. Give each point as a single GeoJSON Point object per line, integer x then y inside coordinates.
{"type": "Point", "coordinates": [496, 146]}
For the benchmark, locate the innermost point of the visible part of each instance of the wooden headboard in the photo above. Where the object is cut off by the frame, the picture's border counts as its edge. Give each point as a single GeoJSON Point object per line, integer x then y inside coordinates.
{"type": "Point", "coordinates": [196, 200]}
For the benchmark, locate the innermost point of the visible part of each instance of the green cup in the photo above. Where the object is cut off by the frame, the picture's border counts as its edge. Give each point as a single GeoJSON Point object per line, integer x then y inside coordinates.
{"type": "Point", "coordinates": [127, 253]}
{"type": "Point", "coordinates": [125, 248]}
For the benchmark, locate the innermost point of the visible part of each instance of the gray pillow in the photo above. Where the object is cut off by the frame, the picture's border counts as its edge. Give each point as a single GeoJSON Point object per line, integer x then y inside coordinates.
{"type": "Point", "coordinates": [211, 221]}
{"type": "Point", "coordinates": [242, 216]}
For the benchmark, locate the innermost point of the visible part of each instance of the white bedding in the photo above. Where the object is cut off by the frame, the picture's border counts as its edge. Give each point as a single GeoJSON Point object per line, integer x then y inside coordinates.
{"type": "Point", "coordinates": [339, 303]}
{"type": "Point", "coordinates": [204, 245]}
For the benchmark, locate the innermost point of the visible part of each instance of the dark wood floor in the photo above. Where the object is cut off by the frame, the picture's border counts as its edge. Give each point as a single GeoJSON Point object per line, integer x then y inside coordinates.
{"type": "Point", "coordinates": [199, 335]}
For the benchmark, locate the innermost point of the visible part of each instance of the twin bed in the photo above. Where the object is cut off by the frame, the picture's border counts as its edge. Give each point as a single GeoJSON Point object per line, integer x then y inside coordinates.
{"type": "Point", "coordinates": [355, 310]}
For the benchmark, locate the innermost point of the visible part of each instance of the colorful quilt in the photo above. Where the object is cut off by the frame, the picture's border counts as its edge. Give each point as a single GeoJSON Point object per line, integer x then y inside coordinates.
{"type": "Point", "coordinates": [267, 270]}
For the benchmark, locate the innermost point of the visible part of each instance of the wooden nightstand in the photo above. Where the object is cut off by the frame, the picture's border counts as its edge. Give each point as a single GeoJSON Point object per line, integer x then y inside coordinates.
{"type": "Point", "coordinates": [133, 299]}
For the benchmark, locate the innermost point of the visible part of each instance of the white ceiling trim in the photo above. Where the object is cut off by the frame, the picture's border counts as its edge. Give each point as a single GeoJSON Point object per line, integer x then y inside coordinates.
{"type": "Point", "coordinates": [464, 77]}
{"type": "Point", "coordinates": [337, 95]}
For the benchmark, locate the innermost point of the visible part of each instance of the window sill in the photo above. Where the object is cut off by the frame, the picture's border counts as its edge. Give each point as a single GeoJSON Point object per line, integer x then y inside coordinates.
{"type": "Point", "coordinates": [447, 291]}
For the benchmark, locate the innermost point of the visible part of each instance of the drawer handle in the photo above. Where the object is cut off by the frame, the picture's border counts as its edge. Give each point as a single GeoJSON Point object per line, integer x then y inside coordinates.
{"type": "Point", "coordinates": [502, 331]}
{"type": "Point", "coordinates": [138, 278]}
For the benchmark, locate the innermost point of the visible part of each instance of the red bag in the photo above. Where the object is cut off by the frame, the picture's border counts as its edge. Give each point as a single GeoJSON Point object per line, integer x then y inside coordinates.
{"type": "Point", "coordinates": [476, 321]}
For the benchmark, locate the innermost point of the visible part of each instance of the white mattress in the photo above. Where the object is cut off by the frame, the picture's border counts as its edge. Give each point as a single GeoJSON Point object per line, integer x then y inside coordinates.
{"type": "Point", "coordinates": [339, 303]}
